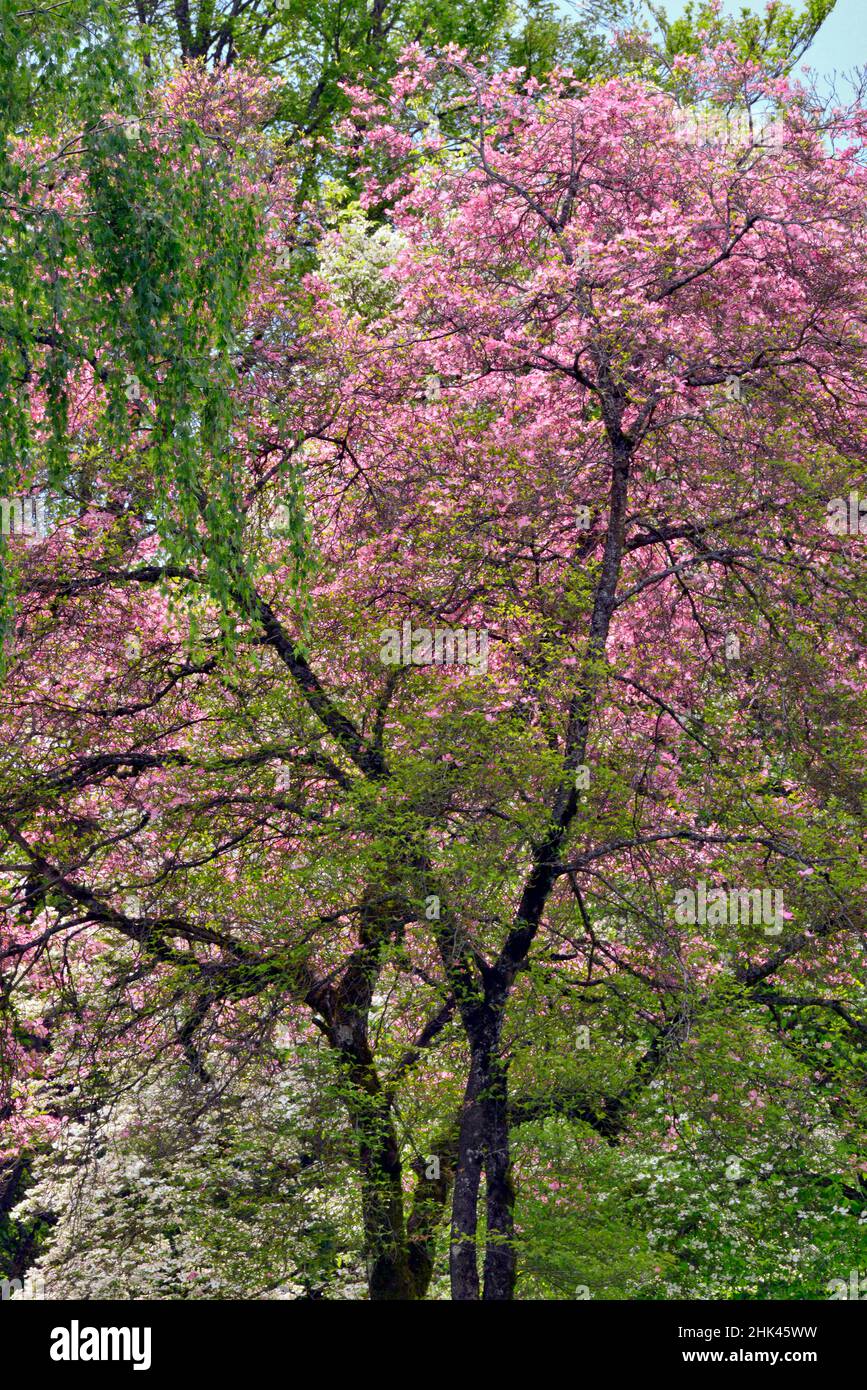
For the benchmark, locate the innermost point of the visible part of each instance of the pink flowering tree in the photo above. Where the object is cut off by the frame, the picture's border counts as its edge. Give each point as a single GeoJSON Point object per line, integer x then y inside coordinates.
{"type": "Point", "coordinates": [434, 711]}
{"type": "Point", "coordinates": [655, 322]}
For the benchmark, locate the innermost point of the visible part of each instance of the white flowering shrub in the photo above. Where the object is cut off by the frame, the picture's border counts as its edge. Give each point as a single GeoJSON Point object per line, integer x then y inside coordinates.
{"type": "Point", "coordinates": [354, 259]}
{"type": "Point", "coordinates": [175, 1194]}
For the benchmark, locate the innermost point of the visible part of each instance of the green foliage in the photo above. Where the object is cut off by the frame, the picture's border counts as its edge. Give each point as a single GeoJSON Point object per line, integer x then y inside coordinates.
{"type": "Point", "coordinates": [136, 277]}
{"type": "Point", "coordinates": [776, 38]}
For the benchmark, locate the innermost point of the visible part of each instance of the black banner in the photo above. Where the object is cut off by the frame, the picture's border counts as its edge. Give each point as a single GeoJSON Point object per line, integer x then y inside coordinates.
{"type": "Point", "coordinates": [87, 1340]}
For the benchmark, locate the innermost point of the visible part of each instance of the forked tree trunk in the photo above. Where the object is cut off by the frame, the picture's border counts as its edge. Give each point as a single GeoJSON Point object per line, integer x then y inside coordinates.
{"type": "Point", "coordinates": [484, 1147]}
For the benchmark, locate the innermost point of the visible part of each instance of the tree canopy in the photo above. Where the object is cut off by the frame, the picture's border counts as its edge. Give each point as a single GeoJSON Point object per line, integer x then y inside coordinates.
{"type": "Point", "coordinates": [432, 792]}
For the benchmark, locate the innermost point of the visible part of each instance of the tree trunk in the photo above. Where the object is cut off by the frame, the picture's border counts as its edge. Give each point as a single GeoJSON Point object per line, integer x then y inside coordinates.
{"type": "Point", "coordinates": [484, 1146]}
{"type": "Point", "coordinates": [429, 1203]}
{"type": "Point", "coordinates": [500, 1255]}
{"type": "Point", "coordinates": [386, 1246]}
{"type": "Point", "coordinates": [463, 1263]}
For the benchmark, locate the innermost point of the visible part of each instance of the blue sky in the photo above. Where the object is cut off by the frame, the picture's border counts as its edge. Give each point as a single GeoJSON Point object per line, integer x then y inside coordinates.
{"type": "Point", "coordinates": [842, 41]}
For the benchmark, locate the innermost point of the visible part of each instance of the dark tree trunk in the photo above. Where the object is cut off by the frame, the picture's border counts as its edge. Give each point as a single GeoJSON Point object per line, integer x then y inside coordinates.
{"type": "Point", "coordinates": [463, 1262]}
{"type": "Point", "coordinates": [500, 1254]}
{"type": "Point", "coordinates": [484, 1147]}
{"type": "Point", "coordinates": [429, 1203]}
{"type": "Point", "coordinates": [386, 1245]}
